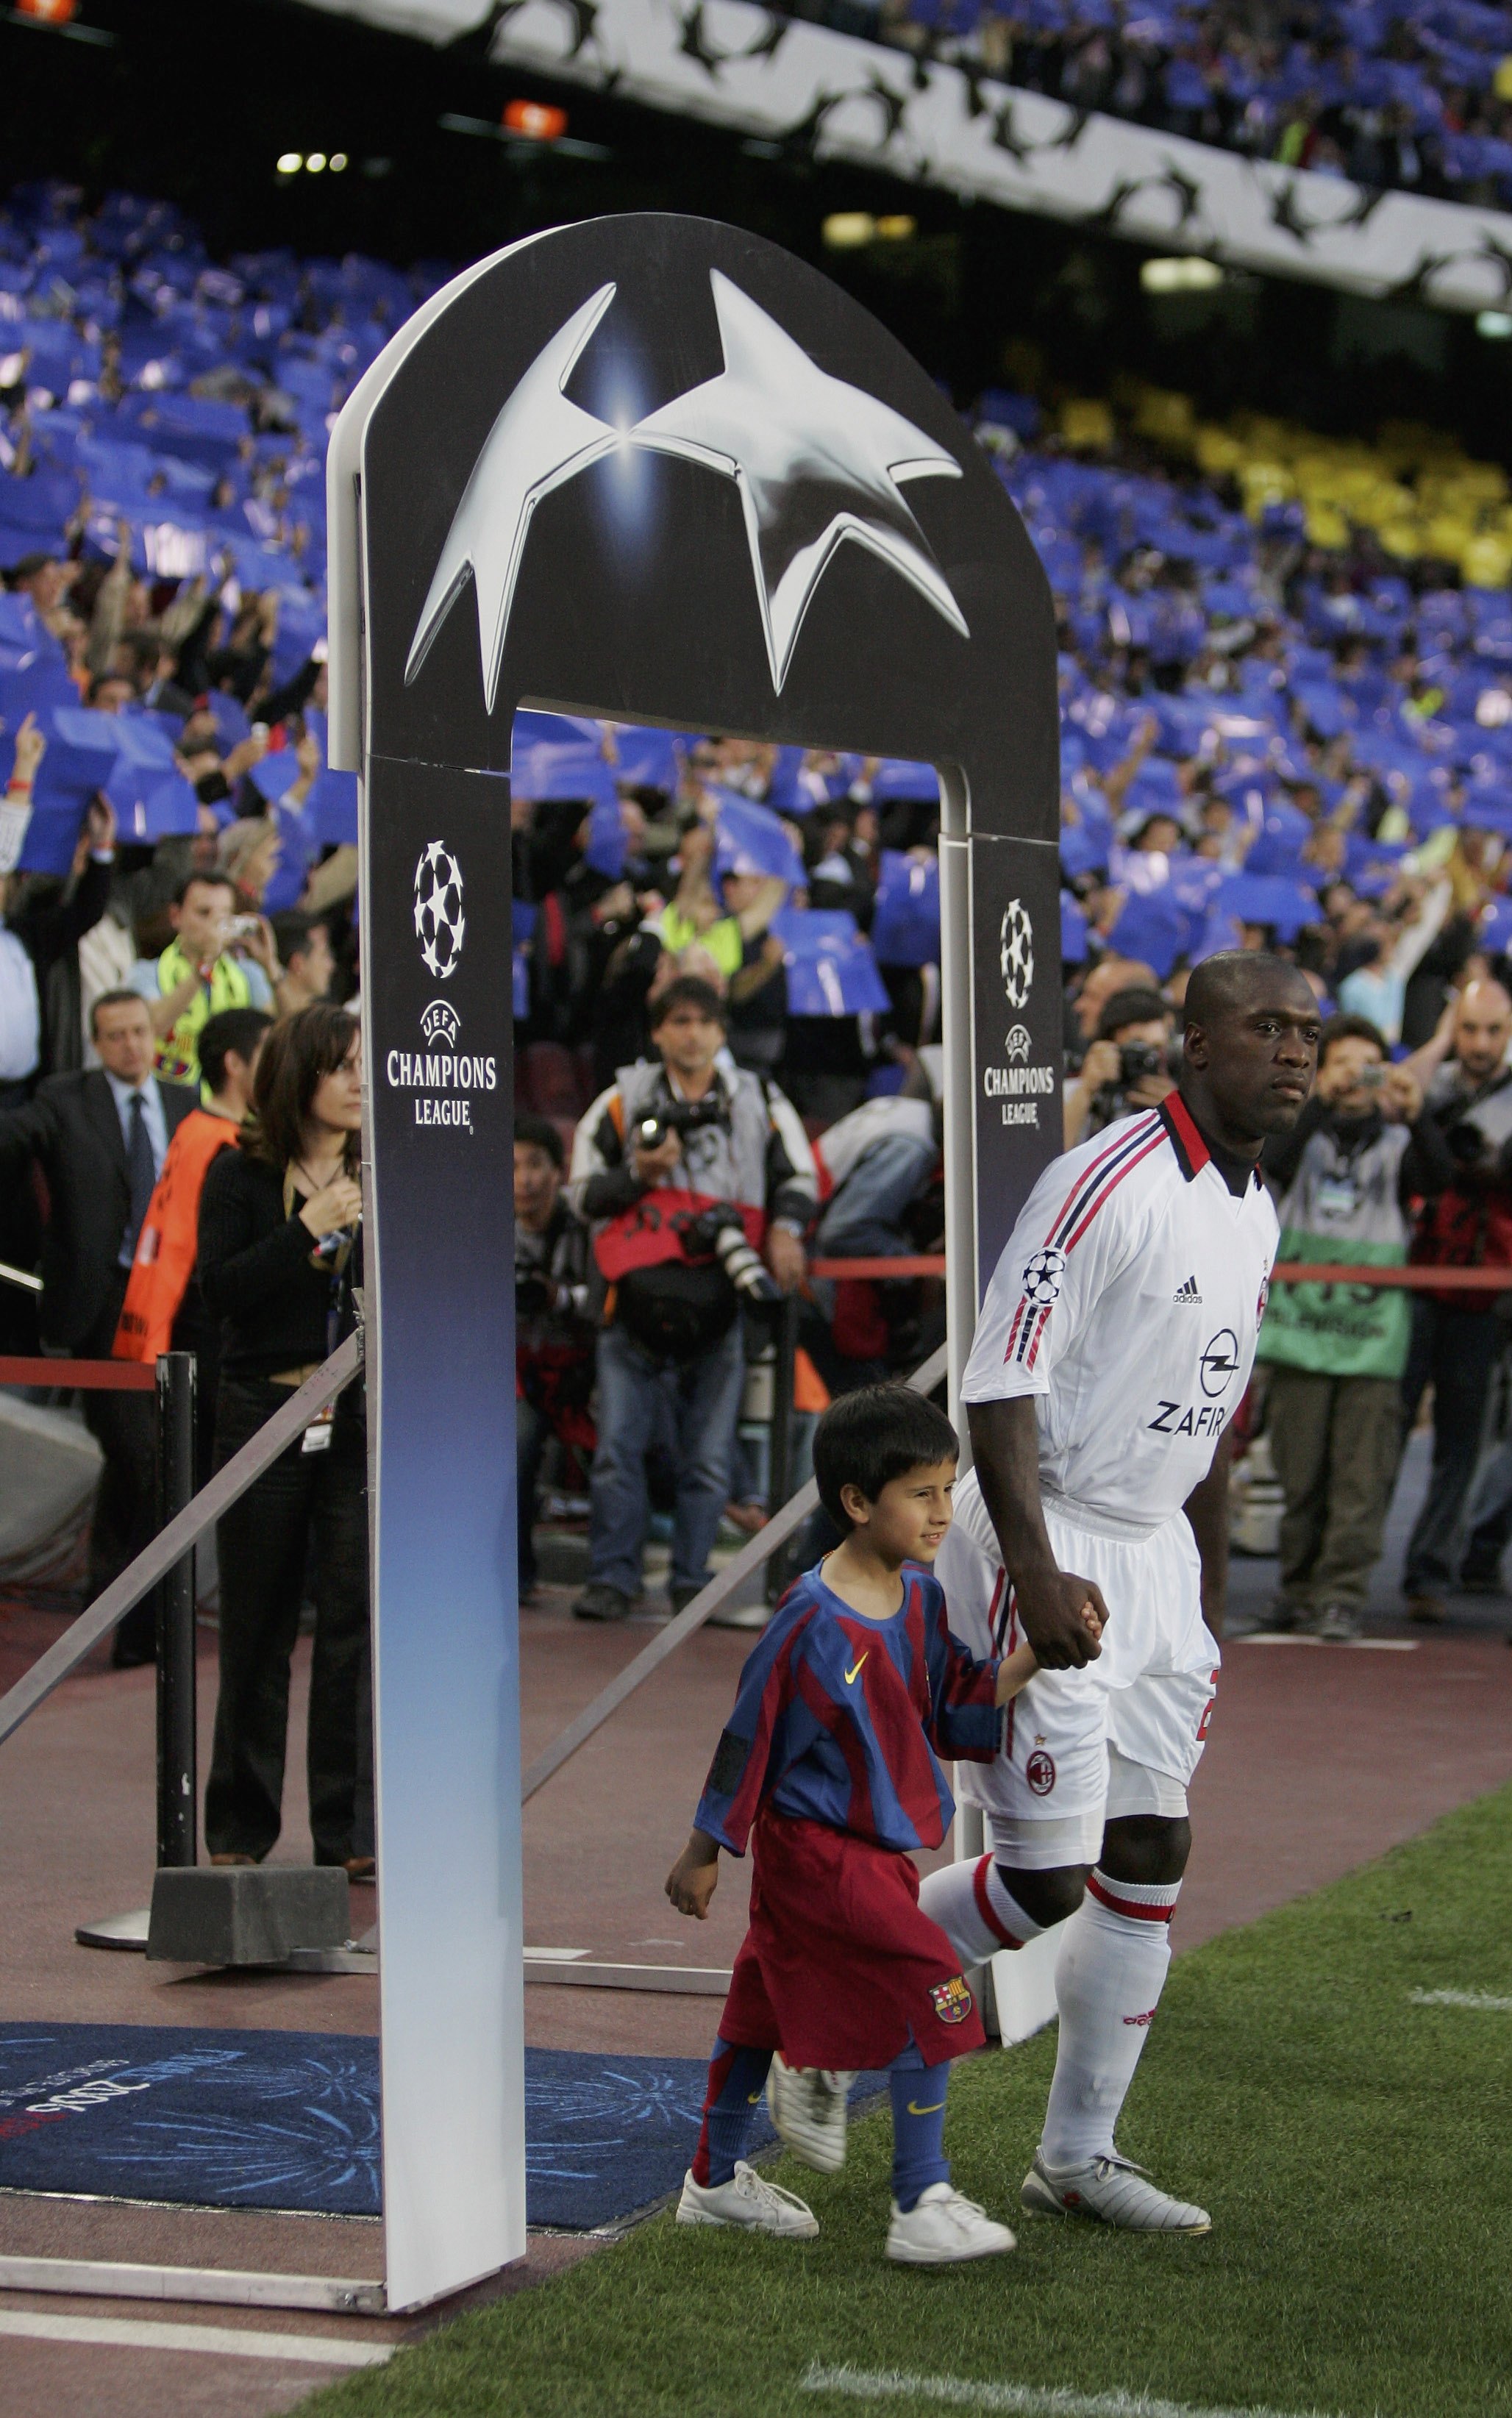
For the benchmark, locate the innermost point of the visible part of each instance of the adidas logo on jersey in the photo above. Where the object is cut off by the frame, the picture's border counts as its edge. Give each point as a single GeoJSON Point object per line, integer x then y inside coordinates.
{"type": "Point", "coordinates": [1188, 1293]}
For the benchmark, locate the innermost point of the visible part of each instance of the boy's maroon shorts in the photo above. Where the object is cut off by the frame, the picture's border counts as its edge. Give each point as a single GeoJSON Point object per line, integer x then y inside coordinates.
{"type": "Point", "coordinates": [839, 1965]}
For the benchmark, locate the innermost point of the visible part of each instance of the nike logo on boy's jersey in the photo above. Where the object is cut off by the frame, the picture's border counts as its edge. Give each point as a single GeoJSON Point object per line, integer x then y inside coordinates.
{"type": "Point", "coordinates": [854, 1671]}
{"type": "Point", "coordinates": [914, 2108]}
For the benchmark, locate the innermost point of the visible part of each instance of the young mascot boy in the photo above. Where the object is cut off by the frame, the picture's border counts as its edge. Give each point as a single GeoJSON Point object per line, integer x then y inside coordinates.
{"type": "Point", "coordinates": [831, 1758]}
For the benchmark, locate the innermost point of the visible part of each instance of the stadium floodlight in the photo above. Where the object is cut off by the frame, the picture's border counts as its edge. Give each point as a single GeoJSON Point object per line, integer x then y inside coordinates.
{"type": "Point", "coordinates": [316, 164]}
{"type": "Point", "coordinates": [1186, 273]}
{"type": "Point", "coordinates": [290, 163]}
{"type": "Point", "coordinates": [847, 230]}
{"type": "Point", "coordinates": [899, 228]}
{"type": "Point", "coordinates": [539, 121]}
{"type": "Point", "coordinates": [1495, 324]}
{"type": "Point", "coordinates": [337, 162]}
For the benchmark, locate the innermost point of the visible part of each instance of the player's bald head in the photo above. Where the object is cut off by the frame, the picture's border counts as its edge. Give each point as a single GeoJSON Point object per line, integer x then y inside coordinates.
{"type": "Point", "coordinates": [1236, 982]}
{"type": "Point", "coordinates": [1251, 1046]}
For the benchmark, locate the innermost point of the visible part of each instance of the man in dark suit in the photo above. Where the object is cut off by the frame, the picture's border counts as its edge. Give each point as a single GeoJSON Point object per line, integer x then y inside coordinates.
{"type": "Point", "coordinates": [99, 1139]}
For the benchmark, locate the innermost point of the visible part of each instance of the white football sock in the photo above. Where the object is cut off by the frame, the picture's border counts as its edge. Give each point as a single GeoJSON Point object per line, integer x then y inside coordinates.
{"type": "Point", "coordinates": [1108, 1977]}
{"type": "Point", "coordinates": [975, 1909]}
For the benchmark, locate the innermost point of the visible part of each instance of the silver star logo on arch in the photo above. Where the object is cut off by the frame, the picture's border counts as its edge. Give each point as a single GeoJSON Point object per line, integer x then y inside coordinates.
{"type": "Point", "coordinates": [818, 463]}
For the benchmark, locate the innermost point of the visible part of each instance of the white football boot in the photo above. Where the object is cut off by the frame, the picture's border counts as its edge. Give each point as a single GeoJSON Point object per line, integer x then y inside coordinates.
{"type": "Point", "coordinates": [807, 2104]}
{"type": "Point", "coordinates": [748, 2201]}
{"type": "Point", "coordinates": [1112, 2190]}
{"type": "Point", "coordinates": [942, 2228]}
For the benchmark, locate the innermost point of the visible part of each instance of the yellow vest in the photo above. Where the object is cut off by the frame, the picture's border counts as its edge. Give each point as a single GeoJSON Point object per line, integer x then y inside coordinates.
{"type": "Point", "coordinates": [178, 1053]}
{"type": "Point", "coordinates": [724, 939]}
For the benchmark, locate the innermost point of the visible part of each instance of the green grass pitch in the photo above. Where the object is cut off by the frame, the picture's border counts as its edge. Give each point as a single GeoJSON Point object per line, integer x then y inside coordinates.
{"type": "Point", "coordinates": [1354, 2145]}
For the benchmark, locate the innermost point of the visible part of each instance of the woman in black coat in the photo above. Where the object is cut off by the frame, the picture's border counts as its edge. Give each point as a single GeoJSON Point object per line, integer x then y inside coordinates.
{"type": "Point", "coordinates": [279, 1231]}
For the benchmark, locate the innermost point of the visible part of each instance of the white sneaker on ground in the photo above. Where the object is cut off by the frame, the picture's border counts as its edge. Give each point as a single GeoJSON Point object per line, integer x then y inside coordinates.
{"type": "Point", "coordinates": [807, 2104]}
{"type": "Point", "coordinates": [748, 2201]}
{"type": "Point", "coordinates": [1114, 2191]}
{"type": "Point", "coordinates": [942, 2228]}
{"type": "Point", "coordinates": [1337, 1624]}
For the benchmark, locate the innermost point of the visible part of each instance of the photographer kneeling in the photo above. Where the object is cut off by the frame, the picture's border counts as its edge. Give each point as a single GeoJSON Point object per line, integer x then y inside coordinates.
{"type": "Point", "coordinates": [279, 1246]}
{"type": "Point", "coordinates": [685, 1168]}
{"type": "Point", "coordinates": [1126, 1069]}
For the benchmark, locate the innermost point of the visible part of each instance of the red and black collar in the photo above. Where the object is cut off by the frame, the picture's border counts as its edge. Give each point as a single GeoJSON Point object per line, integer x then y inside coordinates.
{"type": "Point", "coordinates": [1192, 1153]}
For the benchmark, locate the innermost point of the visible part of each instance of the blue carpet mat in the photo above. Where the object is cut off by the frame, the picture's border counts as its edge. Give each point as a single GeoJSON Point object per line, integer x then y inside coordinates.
{"type": "Point", "coordinates": [290, 2120]}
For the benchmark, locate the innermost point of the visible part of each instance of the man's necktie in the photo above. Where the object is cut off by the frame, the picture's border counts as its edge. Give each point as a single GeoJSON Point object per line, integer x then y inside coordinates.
{"type": "Point", "coordinates": [140, 1173]}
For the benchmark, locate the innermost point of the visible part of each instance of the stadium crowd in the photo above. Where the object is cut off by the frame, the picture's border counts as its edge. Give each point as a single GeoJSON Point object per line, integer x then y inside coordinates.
{"type": "Point", "coordinates": [1412, 95]}
{"type": "Point", "coordinates": [1285, 687]}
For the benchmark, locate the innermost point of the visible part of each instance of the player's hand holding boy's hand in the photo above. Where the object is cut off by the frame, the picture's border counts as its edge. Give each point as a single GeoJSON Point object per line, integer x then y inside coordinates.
{"type": "Point", "coordinates": [690, 1883]}
{"type": "Point", "coordinates": [1017, 1669]}
{"type": "Point", "coordinates": [1053, 1612]}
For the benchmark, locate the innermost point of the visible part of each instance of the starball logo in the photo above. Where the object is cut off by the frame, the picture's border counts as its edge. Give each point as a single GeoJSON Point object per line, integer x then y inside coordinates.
{"type": "Point", "coordinates": [1017, 954]}
{"type": "Point", "coordinates": [1019, 1086]}
{"type": "Point", "coordinates": [442, 1080]}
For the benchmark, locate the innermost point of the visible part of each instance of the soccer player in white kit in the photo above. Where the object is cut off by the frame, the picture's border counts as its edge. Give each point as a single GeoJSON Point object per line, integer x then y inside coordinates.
{"type": "Point", "coordinates": [1112, 1350]}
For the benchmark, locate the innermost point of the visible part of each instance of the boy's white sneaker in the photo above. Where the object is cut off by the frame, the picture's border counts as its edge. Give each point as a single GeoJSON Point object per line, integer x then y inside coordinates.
{"type": "Point", "coordinates": [942, 2228]}
{"type": "Point", "coordinates": [748, 2201]}
{"type": "Point", "coordinates": [1113, 2191]}
{"type": "Point", "coordinates": [807, 2104]}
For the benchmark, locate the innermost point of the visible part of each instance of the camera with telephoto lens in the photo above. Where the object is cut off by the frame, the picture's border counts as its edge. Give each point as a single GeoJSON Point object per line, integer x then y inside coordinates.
{"type": "Point", "coordinates": [718, 1232]}
{"type": "Point", "coordinates": [680, 1117]}
{"type": "Point", "coordinates": [1468, 1145]}
{"type": "Point", "coordinates": [1137, 1059]}
{"type": "Point", "coordinates": [533, 1297]}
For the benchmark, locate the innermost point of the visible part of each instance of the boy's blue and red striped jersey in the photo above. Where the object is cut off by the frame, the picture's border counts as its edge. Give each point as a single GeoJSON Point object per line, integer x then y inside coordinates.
{"type": "Point", "coordinates": [841, 1720]}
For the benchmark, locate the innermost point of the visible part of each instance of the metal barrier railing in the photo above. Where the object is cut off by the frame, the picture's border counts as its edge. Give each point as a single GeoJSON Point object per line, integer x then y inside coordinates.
{"type": "Point", "coordinates": [172, 1545]}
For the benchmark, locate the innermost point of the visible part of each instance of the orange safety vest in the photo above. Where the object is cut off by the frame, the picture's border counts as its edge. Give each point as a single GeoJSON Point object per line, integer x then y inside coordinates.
{"type": "Point", "coordinates": [168, 1243]}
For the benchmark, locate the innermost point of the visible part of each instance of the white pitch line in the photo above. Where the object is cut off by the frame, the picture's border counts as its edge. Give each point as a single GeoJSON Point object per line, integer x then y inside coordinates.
{"type": "Point", "coordinates": [1351, 1645]}
{"type": "Point", "coordinates": [229, 2342]}
{"type": "Point", "coordinates": [1482, 1998]}
{"type": "Point", "coordinates": [1023, 2400]}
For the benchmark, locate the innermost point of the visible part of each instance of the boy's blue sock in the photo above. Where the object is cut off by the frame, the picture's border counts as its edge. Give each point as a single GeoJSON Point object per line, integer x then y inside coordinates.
{"type": "Point", "coordinates": [736, 2078]}
{"type": "Point", "coordinates": [918, 2126]}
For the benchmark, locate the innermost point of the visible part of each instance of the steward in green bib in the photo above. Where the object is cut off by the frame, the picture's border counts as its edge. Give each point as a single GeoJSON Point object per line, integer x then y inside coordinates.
{"type": "Point", "coordinates": [1336, 1351]}
{"type": "Point", "coordinates": [215, 960]}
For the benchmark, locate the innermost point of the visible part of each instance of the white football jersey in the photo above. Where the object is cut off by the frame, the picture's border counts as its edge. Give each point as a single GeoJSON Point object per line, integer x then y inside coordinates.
{"type": "Point", "coordinates": [1127, 1300]}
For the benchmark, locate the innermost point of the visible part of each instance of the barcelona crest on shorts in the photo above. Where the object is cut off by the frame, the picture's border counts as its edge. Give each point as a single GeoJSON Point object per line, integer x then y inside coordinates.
{"type": "Point", "coordinates": [953, 1999]}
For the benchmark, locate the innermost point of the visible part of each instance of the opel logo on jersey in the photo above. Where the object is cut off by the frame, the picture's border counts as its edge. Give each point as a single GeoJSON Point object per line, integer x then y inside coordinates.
{"type": "Point", "coordinates": [1220, 1363]}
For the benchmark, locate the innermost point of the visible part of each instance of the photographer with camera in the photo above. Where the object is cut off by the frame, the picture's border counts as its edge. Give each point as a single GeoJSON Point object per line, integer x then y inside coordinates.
{"type": "Point", "coordinates": [217, 959]}
{"type": "Point", "coordinates": [699, 1182]}
{"type": "Point", "coordinates": [1126, 1069]}
{"type": "Point", "coordinates": [1336, 1353]}
{"type": "Point", "coordinates": [554, 1333]}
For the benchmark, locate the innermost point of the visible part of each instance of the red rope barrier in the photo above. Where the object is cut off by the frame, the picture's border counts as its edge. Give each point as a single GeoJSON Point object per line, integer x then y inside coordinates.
{"type": "Point", "coordinates": [856, 1269]}
{"type": "Point", "coordinates": [1414, 1279]}
{"type": "Point", "coordinates": [91, 1376]}
{"type": "Point", "coordinates": [1286, 1272]}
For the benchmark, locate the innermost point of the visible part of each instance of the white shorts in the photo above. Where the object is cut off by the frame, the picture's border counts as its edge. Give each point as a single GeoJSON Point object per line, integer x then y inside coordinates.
{"type": "Point", "coordinates": [1122, 1736]}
